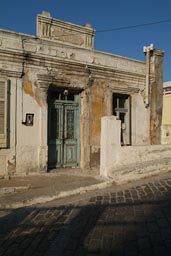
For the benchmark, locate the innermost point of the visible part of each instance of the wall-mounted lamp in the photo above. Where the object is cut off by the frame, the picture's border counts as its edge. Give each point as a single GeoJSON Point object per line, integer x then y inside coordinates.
{"type": "Point", "coordinates": [66, 92]}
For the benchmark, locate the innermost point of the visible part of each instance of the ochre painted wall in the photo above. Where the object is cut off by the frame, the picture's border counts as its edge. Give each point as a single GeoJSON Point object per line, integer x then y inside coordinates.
{"type": "Point", "coordinates": [166, 119]}
{"type": "Point", "coordinates": [97, 110]}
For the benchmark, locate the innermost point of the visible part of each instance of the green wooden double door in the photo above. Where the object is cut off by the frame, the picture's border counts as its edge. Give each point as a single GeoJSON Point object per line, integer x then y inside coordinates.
{"type": "Point", "coordinates": [63, 134]}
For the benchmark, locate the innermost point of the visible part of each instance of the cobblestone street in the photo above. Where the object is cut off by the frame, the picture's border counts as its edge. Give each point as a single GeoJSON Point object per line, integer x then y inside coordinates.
{"type": "Point", "coordinates": [131, 221]}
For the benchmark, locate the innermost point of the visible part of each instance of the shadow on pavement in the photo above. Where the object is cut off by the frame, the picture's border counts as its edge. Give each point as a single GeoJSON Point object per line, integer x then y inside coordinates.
{"type": "Point", "coordinates": [108, 224]}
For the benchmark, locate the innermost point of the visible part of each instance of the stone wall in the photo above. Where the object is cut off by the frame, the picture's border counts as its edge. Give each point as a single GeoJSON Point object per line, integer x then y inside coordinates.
{"type": "Point", "coordinates": [156, 96]}
{"type": "Point", "coordinates": [34, 63]}
{"type": "Point", "coordinates": [166, 134]}
{"type": "Point", "coordinates": [128, 163]}
{"type": "Point", "coordinates": [65, 32]}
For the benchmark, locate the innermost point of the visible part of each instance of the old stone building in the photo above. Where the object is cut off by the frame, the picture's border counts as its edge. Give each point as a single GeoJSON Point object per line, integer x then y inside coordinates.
{"type": "Point", "coordinates": [54, 89]}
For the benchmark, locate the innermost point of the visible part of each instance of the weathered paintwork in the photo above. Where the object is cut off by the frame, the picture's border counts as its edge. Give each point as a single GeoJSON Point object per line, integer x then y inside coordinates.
{"type": "Point", "coordinates": [33, 64]}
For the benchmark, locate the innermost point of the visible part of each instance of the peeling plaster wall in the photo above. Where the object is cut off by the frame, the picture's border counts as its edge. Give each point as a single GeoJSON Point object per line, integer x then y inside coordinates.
{"type": "Point", "coordinates": [97, 110]}
{"type": "Point", "coordinates": [33, 64]}
{"type": "Point", "coordinates": [140, 121]}
{"type": "Point", "coordinates": [156, 99]}
{"type": "Point", "coordinates": [24, 153]}
{"type": "Point", "coordinates": [84, 129]}
{"type": "Point", "coordinates": [28, 137]}
{"type": "Point", "coordinates": [101, 105]}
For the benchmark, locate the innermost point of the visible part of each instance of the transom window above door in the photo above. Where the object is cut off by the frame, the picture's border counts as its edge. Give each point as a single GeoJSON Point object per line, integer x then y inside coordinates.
{"type": "Point", "coordinates": [62, 95]}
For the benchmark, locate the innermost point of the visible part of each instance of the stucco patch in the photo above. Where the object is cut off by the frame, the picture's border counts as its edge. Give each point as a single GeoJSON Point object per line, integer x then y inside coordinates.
{"type": "Point", "coordinates": [97, 111]}
{"type": "Point", "coordinates": [35, 91]}
{"type": "Point", "coordinates": [38, 94]}
{"type": "Point", "coordinates": [27, 84]}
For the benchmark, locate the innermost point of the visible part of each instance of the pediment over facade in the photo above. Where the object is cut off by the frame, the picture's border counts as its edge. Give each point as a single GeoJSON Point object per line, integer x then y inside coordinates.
{"type": "Point", "coordinates": [64, 32]}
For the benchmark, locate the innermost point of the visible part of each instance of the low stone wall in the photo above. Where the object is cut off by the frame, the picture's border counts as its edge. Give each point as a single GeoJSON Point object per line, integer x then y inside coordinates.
{"type": "Point", "coordinates": [127, 163]}
{"type": "Point", "coordinates": [166, 134]}
{"type": "Point", "coordinates": [135, 162]}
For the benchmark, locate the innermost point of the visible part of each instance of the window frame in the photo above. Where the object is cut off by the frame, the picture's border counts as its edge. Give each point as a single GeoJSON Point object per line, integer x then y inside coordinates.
{"type": "Point", "coordinates": [4, 97]}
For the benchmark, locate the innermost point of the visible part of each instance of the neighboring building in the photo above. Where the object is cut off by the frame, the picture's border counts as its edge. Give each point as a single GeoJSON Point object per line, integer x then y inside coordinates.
{"type": "Point", "coordinates": [54, 89]}
{"type": "Point", "coordinates": [166, 119]}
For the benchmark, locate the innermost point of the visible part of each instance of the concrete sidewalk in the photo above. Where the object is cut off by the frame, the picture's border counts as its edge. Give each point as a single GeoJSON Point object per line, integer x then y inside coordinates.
{"type": "Point", "coordinates": [21, 191]}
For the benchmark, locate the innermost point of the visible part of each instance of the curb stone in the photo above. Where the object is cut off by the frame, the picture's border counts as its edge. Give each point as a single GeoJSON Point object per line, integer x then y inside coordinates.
{"type": "Point", "coordinates": [9, 190]}
{"type": "Point", "coordinates": [56, 196]}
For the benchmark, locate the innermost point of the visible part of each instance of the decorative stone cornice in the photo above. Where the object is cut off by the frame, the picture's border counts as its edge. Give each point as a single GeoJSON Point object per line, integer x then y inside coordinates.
{"type": "Point", "coordinates": [159, 52]}
{"type": "Point", "coordinates": [10, 73]}
{"type": "Point", "coordinates": [46, 80]}
{"type": "Point", "coordinates": [69, 68]}
{"type": "Point", "coordinates": [60, 31]}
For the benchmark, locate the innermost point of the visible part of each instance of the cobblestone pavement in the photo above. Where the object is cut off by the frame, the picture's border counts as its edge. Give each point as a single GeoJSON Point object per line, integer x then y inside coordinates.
{"type": "Point", "coordinates": [131, 221]}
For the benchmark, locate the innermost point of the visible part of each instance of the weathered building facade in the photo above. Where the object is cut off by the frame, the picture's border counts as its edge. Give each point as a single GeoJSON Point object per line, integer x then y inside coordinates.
{"type": "Point", "coordinates": [54, 89]}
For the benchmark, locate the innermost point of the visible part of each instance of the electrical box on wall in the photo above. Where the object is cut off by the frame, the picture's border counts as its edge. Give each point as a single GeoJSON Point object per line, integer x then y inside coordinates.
{"type": "Point", "coordinates": [29, 121]}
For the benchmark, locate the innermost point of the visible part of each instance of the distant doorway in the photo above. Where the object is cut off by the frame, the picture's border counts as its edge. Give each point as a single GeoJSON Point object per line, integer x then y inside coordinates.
{"type": "Point", "coordinates": [121, 109]}
{"type": "Point", "coordinates": [63, 128]}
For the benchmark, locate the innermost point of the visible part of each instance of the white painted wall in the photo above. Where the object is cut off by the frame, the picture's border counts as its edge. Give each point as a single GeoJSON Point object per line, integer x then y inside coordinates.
{"type": "Point", "coordinates": [140, 121]}
{"type": "Point", "coordinates": [27, 151]}
{"type": "Point", "coordinates": [110, 142]}
{"type": "Point", "coordinates": [128, 163]}
{"type": "Point", "coordinates": [28, 137]}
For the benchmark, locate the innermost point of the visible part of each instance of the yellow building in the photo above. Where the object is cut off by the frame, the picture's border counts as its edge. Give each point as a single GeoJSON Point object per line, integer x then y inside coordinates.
{"type": "Point", "coordinates": [166, 118]}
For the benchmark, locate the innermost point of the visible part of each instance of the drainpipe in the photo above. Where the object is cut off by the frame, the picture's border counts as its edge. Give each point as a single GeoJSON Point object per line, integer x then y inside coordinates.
{"type": "Point", "coordinates": [147, 50]}
{"type": "Point", "coordinates": [16, 91]}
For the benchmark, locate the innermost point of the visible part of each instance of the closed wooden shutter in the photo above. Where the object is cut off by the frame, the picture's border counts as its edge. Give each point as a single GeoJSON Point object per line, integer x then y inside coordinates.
{"type": "Point", "coordinates": [3, 114]}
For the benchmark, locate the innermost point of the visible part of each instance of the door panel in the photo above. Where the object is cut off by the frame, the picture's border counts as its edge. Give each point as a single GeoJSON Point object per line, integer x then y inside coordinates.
{"type": "Point", "coordinates": [70, 134]}
{"type": "Point", "coordinates": [55, 135]}
{"type": "Point", "coordinates": [63, 132]}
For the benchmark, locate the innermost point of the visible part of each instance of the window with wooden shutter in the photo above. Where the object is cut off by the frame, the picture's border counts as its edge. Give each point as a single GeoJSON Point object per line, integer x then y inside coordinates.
{"type": "Point", "coordinates": [3, 114]}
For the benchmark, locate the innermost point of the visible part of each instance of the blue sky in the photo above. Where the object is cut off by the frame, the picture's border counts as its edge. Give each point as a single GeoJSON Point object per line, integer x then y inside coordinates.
{"type": "Point", "coordinates": [20, 16]}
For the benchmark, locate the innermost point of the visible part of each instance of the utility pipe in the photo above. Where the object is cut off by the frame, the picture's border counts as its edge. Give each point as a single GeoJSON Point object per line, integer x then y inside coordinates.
{"type": "Point", "coordinates": [147, 51]}
{"type": "Point", "coordinates": [147, 79]}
